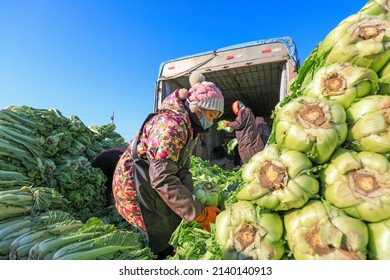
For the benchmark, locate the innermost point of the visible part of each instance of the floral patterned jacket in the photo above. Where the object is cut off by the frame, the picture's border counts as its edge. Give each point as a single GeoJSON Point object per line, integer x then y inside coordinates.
{"type": "Point", "coordinates": [161, 142]}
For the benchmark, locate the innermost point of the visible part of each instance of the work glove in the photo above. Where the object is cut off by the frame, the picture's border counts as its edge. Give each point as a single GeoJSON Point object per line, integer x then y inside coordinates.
{"type": "Point", "coordinates": [208, 215]}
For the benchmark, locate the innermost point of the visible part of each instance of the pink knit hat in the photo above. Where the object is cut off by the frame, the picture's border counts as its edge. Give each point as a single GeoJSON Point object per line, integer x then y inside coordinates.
{"type": "Point", "coordinates": [204, 95]}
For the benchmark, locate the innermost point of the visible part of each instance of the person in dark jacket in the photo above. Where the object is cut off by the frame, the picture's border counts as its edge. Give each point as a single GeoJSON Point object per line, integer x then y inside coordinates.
{"type": "Point", "coordinates": [244, 126]}
{"type": "Point", "coordinates": [263, 128]}
{"type": "Point", "coordinates": [107, 161]}
{"type": "Point", "coordinates": [152, 184]}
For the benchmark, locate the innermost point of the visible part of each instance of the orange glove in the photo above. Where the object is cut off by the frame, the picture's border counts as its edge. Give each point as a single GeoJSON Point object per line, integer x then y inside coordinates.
{"type": "Point", "coordinates": [208, 216]}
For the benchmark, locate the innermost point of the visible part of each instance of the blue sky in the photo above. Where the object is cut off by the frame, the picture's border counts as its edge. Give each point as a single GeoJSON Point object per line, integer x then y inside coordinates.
{"type": "Point", "coordinates": [91, 57]}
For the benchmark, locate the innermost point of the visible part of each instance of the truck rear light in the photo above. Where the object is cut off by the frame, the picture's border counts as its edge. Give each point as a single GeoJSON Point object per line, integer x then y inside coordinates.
{"type": "Point", "coordinates": [228, 57]}
{"type": "Point", "coordinates": [271, 50]}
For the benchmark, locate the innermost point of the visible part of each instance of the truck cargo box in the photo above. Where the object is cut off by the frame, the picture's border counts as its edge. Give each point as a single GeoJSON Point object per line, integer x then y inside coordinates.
{"type": "Point", "coordinates": [257, 73]}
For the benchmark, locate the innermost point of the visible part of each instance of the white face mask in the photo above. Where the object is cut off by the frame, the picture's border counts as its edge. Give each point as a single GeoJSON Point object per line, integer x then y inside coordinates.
{"type": "Point", "coordinates": [205, 123]}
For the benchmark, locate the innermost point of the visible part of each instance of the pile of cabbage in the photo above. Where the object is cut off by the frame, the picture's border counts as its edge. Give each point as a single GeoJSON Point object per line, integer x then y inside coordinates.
{"type": "Point", "coordinates": [53, 203]}
{"type": "Point", "coordinates": [321, 187]}
{"type": "Point", "coordinates": [213, 186]}
{"type": "Point", "coordinates": [57, 235]}
{"type": "Point", "coordinates": [41, 148]}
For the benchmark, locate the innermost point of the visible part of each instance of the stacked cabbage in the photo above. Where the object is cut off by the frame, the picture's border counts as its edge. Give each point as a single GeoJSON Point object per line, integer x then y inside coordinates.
{"type": "Point", "coordinates": [325, 171]}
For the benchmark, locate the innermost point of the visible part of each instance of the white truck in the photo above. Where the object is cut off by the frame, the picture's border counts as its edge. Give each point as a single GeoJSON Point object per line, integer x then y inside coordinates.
{"type": "Point", "coordinates": [257, 73]}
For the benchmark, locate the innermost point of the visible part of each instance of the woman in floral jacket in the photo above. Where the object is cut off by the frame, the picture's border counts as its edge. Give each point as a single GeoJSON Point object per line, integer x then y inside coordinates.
{"type": "Point", "coordinates": [152, 184]}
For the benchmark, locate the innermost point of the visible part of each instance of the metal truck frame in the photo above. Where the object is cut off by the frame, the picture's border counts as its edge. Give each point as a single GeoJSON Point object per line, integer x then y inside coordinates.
{"type": "Point", "coordinates": [258, 73]}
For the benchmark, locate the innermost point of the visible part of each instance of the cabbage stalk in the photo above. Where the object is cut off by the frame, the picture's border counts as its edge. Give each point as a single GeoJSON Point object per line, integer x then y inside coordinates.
{"type": "Point", "coordinates": [342, 82]}
{"type": "Point", "coordinates": [245, 232]}
{"type": "Point", "coordinates": [359, 184]}
{"type": "Point", "coordinates": [207, 193]}
{"type": "Point", "coordinates": [222, 126]}
{"type": "Point", "coordinates": [116, 245]}
{"type": "Point", "coordinates": [379, 242]}
{"type": "Point", "coordinates": [278, 179]}
{"type": "Point", "coordinates": [231, 145]}
{"type": "Point", "coordinates": [376, 7]}
{"type": "Point", "coordinates": [369, 124]}
{"type": "Point", "coordinates": [316, 127]}
{"type": "Point", "coordinates": [45, 249]}
{"type": "Point", "coordinates": [320, 231]}
{"type": "Point", "coordinates": [361, 39]}
{"type": "Point", "coordinates": [384, 80]}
